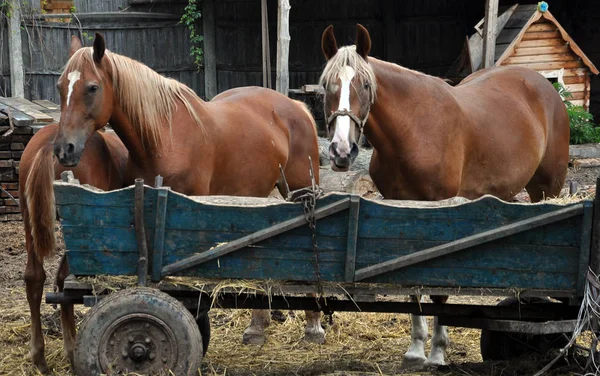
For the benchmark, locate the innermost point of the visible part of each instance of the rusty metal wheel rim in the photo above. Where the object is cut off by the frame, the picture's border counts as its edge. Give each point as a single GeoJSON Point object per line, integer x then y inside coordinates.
{"type": "Point", "coordinates": [138, 342]}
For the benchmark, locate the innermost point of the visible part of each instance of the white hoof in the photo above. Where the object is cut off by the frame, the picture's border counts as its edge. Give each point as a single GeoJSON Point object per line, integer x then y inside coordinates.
{"type": "Point", "coordinates": [313, 336]}
{"type": "Point", "coordinates": [413, 360]}
{"type": "Point", "coordinates": [434, 361]}
{"type": "Point", "coordinates": [252, 337]}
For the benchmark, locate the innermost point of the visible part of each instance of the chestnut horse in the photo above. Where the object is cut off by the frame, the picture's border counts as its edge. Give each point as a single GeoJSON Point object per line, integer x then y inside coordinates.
{"type": "Point", "coordinates": [232, 145]}
{"type": "Point", "coordinates": [101, 166]}
{"type": "Point", "coordinates": [497, 132]}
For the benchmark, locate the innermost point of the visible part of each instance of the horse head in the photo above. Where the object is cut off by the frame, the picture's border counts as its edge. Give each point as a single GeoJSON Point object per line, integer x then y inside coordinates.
{"type": "Point", "coordinates": [86, 99]}
{"type": "Point", "coordinates": [350, 87]}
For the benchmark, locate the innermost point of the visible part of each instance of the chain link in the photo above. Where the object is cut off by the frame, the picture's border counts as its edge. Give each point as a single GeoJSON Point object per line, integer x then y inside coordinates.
{"type": "Point", "coordinates": [309, 197]}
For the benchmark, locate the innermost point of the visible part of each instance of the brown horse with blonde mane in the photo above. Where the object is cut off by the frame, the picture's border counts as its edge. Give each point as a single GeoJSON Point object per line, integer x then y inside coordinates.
{"type": "Point", "coordinates": [232, 145]}
{"type": "Point", "coordinates": [101, 166]}
{"type": "Point", "coordinates": [499, 131]}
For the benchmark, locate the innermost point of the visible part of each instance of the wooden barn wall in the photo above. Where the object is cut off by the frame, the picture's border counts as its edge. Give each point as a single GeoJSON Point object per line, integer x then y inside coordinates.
{"type": "Point", "coordinates": [161, 44]}
{"type": "Point", "coordinates": [426, 35]}
{"type": "Point", "coordinates": [4, 62]}
{"type": "Point", "coordinates": [419, 34]}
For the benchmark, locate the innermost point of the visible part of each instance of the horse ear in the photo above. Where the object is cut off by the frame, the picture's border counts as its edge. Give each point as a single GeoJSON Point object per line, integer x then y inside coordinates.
{"type": "Point", "coordinates": [99, 47]}
{"type": "Point", "coordinates": [328, 43]}
{"type": "Point", "coordinates": [363, 41]}
{"type": "Point", "coordinates": [75, 44]}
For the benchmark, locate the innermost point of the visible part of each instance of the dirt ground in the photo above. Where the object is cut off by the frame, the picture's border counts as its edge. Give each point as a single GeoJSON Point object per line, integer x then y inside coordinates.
{"type": "Point", "coordinates": [356, 344]}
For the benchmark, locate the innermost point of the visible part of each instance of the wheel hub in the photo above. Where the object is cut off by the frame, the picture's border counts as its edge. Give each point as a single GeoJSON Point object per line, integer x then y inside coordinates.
{"type": "Point", "coordinates": [138, 352]}
{"type": "Point", "coordinates": [138, 342]}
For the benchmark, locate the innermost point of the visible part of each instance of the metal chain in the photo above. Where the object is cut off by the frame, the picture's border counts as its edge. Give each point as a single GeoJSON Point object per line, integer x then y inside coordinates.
{"type": "Point", "coordinates": [309, 197]}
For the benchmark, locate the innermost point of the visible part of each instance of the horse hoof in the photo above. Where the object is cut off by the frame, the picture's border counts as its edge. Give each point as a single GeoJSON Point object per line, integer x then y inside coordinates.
{"type": "Point", "coordinates": [434, 363]}
{"type": "Point", "coordinates": [315, 337]}
{"type": "Point", "coordinates": [43, 368]}
{"type": "Point", "coordinates": [253, 339]}
{"type": "Point", "coordinates": [413, 361]}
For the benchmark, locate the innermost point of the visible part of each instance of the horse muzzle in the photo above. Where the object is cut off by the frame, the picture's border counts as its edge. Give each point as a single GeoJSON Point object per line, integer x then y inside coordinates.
{"type": "Point", "coordinates": [341, 160]}
{"type": "Point", "coordinates": [68, 154]}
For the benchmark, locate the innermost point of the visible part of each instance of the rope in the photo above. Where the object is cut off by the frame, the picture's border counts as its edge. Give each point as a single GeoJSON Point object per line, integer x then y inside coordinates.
{"type": "Point", "coordinates": [588, 316]}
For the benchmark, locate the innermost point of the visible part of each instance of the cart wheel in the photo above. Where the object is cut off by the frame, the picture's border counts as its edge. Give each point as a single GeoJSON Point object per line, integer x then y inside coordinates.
{"type": "Point", "coordinates": [203, 322]}
{"type": "Point", "coordinates": [139, 330]}
{"type": "Point", "coordinates": [496, 345]}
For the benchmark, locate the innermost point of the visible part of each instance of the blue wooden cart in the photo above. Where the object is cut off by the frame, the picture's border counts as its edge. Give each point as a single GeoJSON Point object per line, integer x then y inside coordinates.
{"type": "Point", "coordinates": [353, 253]}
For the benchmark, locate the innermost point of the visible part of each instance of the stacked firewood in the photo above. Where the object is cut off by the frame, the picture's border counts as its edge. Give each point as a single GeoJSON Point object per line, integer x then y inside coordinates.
{"type": "Point", "coordinates": [19, 120]}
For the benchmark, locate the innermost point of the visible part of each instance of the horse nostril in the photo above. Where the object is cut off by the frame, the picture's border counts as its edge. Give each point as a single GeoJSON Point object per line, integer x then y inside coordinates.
{"type": "Point", "coordinates": [70, 148]}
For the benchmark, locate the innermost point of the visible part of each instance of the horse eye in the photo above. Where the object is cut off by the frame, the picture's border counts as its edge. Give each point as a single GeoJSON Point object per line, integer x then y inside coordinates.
{"type": "Point", "coordinates": [367, 85]}
{"type": "Point", "coordinates": [92, 89]}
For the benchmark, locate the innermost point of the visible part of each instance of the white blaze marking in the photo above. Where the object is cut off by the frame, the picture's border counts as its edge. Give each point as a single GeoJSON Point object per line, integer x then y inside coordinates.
{"type": "Point", "coordinates": [73, 77]}
{"type": "Point", "coordinates": [342, 128]}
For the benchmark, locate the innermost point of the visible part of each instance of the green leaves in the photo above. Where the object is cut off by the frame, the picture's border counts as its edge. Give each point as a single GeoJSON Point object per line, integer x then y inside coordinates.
{"type": "Point", "coordinates": [190, 17]}
{"type": "Point", "coordinates": [583, 129]}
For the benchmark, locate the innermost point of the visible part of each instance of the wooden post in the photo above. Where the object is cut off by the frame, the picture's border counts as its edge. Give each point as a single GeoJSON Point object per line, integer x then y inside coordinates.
{"type": "Point", "coordinates": [15, 51]}
{"type": "Point", "coordinates": [282, 84]}
{"type": "Point", "coordinates": [210, 56]}
{"type": "Point", "coordinates": [266, 54]}
{"type": "Point", "coordinates": [489, 33]}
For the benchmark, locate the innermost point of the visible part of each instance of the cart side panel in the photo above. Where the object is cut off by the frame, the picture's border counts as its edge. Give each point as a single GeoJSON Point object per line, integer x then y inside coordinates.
{"type": "Point", "coordinates": [98, 228]}
{"type": "Point", "coordinates": [193, 227]}
{"type": "Point", "coordinates": [543, 257]}
{"type": "Point", "coordinates": [100, 239]}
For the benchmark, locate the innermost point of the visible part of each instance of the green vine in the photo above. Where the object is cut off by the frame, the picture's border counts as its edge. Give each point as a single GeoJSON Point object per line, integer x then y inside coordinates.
{"type": "Point", "coordinates": [6, 8]}
{"type": "Point", "coordinates": [190, 17]}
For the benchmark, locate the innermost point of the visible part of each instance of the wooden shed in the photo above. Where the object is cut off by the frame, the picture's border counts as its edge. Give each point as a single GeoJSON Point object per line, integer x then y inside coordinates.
{"type": "Point", "coordinates": [528, 35]}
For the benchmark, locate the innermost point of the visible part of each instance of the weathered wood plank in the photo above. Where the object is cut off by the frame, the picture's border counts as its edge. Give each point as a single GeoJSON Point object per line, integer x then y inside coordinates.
{"type": "Point", "coordinates": [586, 163]}
{"type": "Point", "coordinates": [576, 72]}
{"type": "Point", "coordinates": [29, 108]}
{"type": "Point", "coordinates": [19, 118]}
{"type": "Point", "coordinates": [545, 50]}
{"type": "Point", "coordinates": [48, 105]}
{"type": "Point", "coordinates": [352, 238]}
{"type": "Point", "coordinates": [528, 59]}
{"type": "Point", "coordinates": [551, 65]}
{"type": "Point", "coordinates": [584, 249]}
{"type": "Point", "coordinates": [458, 245]}
{"type": "Point", "coordinates": [542, 26]}
{"type": "Point", "coordinates": [258, 236]}
{"type": "Point", "coordinates": [159, 233]}
{"type": "Point", "coordinates": [556, 42]}
{"type": "Point", "coordinates": [536, 35]}
{"type": "Point", "coordinates": [489, 32]}
{"type": "Point", "coordinates": [574, 88]}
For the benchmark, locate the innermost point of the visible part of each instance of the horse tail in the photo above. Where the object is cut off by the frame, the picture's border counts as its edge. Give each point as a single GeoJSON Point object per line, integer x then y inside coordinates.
{"type": "Point", "coordinates": [39, 197]}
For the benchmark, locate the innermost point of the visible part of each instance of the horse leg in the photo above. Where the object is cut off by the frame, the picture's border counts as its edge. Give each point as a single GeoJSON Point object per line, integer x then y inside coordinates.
{"type": "Point", "coordinates": [34, 286]}
{"type": "Point", "coordinates": [439, 340]}
{"type": "Point", "coordinates": [549, 177]}
{"type": "Point", "coordinates": [255, 332]}
{"type": "Point", "coordinates": [67, 313]}
{"type": "Point", "coordinates": [545, 184]}
{"type": "Point", "coordinates": [314, 332]}
{"type": "Point", "coordinates": [415, 356]}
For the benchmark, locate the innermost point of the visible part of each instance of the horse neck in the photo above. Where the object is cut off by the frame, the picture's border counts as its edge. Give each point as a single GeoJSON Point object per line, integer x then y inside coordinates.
{"type": "Point", "coordinates": [124, 128]}
{"type": "Point", "coordinates": [390, 124]}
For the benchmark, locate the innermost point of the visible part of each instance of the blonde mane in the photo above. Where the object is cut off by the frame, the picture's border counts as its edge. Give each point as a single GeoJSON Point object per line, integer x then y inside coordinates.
{"type": "Point", "coordinates": [347, 56]}
{"type": "Point", "coordinates": [147, 98]}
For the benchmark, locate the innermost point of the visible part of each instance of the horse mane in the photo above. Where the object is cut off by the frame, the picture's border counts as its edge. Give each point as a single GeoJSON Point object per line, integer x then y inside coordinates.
{"type": "Point", "coordinates": [347, 56]}
{"type": "Point", "coordinates": [147, 98]}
